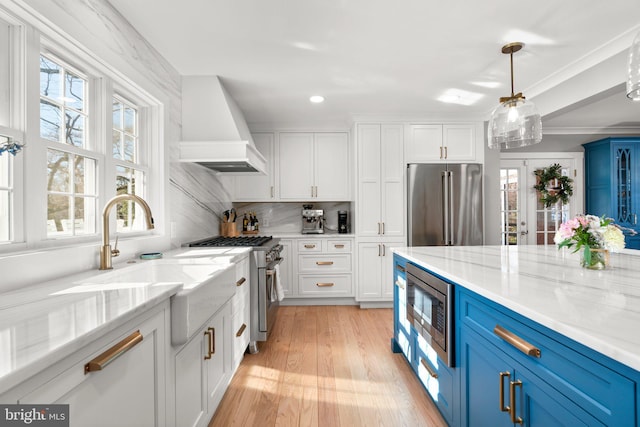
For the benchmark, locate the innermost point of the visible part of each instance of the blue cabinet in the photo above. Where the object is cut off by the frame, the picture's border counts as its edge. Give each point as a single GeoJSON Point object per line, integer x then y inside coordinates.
{"type": "Point", "coordinates": [612, 182]}
{"type": "Point", "coordinates": [563, 384]}
{"type": "Point", "coordinates": [439, 380]}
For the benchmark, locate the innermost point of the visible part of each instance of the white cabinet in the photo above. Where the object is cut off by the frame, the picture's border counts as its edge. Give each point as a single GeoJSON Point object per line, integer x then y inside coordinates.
{"type": "Point", "coordinates": [258, 188]}
{"type": "Point", "coordinates": [241, 312]}
{"type": "Point", "coordinates": [287, 277]}
{"type": "Point", "coordinates": [430, 143]}
{"type": "Point", "coordinates": [314, 166]}
{"type": "Point", "coordinates": [203, 369]}
{"type": "Point", "coordinates": [129, 386]}
{"type": "Point", "coordinates": [381, 171]}
{"type": "Point", "coordinates": [320, 267]}
{"type": "Point", "coordinates": [375, 271]}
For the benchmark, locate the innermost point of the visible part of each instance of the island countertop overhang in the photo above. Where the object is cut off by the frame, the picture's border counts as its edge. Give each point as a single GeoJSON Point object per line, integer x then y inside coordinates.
{"type": "Point", "coordinates": [599, 309]}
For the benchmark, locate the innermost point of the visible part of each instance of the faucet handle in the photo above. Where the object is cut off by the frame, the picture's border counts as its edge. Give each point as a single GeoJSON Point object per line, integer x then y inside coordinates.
{"type": "Point", "coordinates": [115, 251]}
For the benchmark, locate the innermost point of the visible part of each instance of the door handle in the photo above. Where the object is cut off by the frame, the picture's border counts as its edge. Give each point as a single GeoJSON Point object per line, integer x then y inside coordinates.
{"type": "Point", "coordinates": [512, 401]}
{"type": "Point", "coordinates": [446, 155]}
{"type": "Point", "coordinates": [100, 362]}
{"type": "Point", "coordinates": [440, 151]}
{"type": "Point", "coordinates": [212, 343]}
{"type": "Point", "coordinates": [519, 343]}
{"type": "Point", "coordinates": [503, 408]}
{"type": "Point", "coordinates": [208, 335]}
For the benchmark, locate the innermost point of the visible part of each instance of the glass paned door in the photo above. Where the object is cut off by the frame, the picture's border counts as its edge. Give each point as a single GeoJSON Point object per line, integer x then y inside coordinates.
{"type": "Point", "coordinates": [524, 219]}
{"type": "Point", "coordinates": [512, 203]}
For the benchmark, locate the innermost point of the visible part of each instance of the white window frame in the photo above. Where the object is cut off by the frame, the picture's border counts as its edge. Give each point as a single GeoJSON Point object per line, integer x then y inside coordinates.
{"type": "Point", "coordinates": [30, 213]}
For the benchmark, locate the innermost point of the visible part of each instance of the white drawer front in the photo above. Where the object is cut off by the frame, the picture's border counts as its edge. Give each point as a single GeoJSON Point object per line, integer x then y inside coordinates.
{"type": "Point", "coordinates": [324, 263]}
{"type": "Point", "coordinates": [240, 333]}
{"type": "Point", "coordinates": [310, 246]}
{"type": "Point", "coordinates": [241, 298]}
{"type": "Point", "coordinates": [339, 246]}
{"type": "Point", "coordinates": [329, 285]}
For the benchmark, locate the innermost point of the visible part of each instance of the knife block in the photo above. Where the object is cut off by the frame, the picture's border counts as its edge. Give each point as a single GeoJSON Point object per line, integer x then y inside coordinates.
{"type": "Point", "coordinates": [229, 229]}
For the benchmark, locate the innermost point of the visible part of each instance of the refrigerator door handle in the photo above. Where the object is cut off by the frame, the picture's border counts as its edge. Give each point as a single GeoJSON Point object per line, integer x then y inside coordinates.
{"type": "Point", "coordinates": [450, 217]}
{"type": "Point", "coordinates": [445, 207]}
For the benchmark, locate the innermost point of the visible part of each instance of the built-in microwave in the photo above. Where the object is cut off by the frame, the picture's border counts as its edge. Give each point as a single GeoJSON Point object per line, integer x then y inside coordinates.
{"type": "Point", "coordinates": [430, 310]}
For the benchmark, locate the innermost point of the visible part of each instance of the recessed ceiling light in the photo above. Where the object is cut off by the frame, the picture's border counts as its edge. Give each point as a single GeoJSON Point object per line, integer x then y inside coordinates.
{"type": "Point", "coordinates": [459, 96]}
{"type": "Point", "coordinates": [316, 99]}
{"type": "Point", "coordinates": [489, 85]}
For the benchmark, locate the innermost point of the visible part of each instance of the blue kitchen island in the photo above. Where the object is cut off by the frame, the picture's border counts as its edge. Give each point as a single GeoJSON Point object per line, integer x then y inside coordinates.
{"type": "Point", "coordinates": [536, 339]}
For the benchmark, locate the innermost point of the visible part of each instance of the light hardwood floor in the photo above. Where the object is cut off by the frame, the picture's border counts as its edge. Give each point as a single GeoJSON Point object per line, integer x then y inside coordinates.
{"type": "Point", "coordinates": [327, 366]}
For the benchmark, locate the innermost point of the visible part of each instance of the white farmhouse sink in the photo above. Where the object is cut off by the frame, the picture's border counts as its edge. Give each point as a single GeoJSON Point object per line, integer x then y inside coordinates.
{"type": "Point", "coordinates": [206, 286]}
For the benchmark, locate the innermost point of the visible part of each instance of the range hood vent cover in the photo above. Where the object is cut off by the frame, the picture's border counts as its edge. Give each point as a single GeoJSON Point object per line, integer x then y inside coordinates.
{"type": "Point", "coordinates": [214, 131]}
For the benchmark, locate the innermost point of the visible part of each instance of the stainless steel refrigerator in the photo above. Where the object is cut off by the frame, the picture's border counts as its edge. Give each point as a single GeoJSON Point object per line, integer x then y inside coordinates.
{"type": "Point", "coordinates": [444, 204]}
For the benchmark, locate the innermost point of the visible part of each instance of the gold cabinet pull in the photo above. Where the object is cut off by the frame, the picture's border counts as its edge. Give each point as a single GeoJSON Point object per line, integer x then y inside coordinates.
{"type": "Point", "coordinates": [512, 401]}
{"type": "Point", "coordinates": [208, 355]}
{"type": "Point", "coordinates": [446, 155]}
{"type": "Point", "coordinates": [309, 246]}
{"type": "Point", "coordinates": [400, 268]}
{"type": "Point", "coordinates": [241, 281]}
{"type": "Point", "coordinates": [522, 345]}
{"type": "Point", "coordinates": [324, 262]}
{"type": "Point", "coordinates": [338, 246]}
{"type": "Point", "coordinates": [503, 408]}
{"type": "Point", "coordinates": [213, 340]}
{"type": "Point", "coordinates": [272, 193]}
{"type": "Point", "coordinates": [241, 330]}
{"type": "Point", "coordinates": [432, 374]}
{"type": "Point", "coordinates": [324, 285]}
{"type": "Point", "coordinates": [440, 151]}
{"type": "Point", "coordinates": [382, 227]}
{"type": "Point", "coordinates": [100, 362]}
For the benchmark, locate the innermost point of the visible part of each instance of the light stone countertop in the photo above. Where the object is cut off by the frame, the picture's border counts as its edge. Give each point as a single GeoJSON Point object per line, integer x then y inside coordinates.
{"type": "Point", "coordinates": [599, 309]}
{"type": "Point", "coordinates": [44, 323]}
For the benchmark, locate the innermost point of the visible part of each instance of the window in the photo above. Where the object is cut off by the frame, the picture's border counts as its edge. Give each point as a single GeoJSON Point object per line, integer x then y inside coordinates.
{"type": "Point", "coordinates": [129, 170]}
{"type": "Point", "coordinates": [509, 205]}
{"type": "Point", "coordinates": [6, 197]}
{"type": "Point", "coordinates": [71, 171]}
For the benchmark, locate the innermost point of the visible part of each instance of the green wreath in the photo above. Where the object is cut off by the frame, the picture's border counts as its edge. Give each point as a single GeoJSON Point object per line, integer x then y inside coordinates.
{"type": "Point", "coordinates": [561, 189]}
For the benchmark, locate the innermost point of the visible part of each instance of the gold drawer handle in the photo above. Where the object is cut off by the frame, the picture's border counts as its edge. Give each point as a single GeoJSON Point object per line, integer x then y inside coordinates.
{"type": "Point", "coordinates": [241, 281]}
{"type": "Point", "coordinates": [241, 330]}
{"type": "Point", "coordinates": [212, 342]}
{"type": "Point", "coordinates": [503, 408]}
{"type": "Point", "coordinates": [512, 401]}
{"type": "Point", "coordinates": [324, 285]}
{"type": "Point", "coordinates": [309, 246]}
{"type": "Point", "coordinates": [338, 246]}
{"type": "Point", "coordinates": [208, 334]}
{"type": "Point", "coordinates": [522, 345]}
{"type": "Point", "coordinates": [324, 262]}
{"type": "Point", "coordinates": [100, 362]}
{"type": "Point", "coordinates": [432, 374]}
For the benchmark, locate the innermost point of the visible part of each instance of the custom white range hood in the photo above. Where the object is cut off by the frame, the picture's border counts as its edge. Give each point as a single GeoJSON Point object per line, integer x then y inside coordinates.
{"type": "Point", "coordinates": [214, 132]}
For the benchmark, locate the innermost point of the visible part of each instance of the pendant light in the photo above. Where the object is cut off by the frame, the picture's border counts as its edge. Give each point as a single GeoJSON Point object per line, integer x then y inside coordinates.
{"type": "Point", "coordinates": [515, 122]}
{"type": "Point", "coordinates": [633, 77]}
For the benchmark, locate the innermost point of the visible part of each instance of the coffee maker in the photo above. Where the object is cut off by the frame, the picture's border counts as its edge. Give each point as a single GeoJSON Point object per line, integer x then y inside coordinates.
{"type": "Point", "coordinates": [312, 220]}
{"type": "Point", "coordinates": [342, 222]}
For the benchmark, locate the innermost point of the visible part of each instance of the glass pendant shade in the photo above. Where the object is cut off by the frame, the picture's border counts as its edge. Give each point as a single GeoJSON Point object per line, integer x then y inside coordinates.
{"type": "Point", "coordinates": [633, 77]}
{"type": "Point", "coordinates": [513, 124]}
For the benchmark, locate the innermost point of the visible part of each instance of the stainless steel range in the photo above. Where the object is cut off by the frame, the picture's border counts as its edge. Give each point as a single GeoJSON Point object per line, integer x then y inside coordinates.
{"type": "Point", "coordinates": [264, 258]}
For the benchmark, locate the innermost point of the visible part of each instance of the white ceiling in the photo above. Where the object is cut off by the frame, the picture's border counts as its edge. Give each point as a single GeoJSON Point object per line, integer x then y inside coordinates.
{"type": "Point", "coordinates": [383, 59]}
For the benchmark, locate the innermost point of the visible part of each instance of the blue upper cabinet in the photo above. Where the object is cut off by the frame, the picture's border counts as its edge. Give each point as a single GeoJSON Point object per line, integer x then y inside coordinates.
{"type": "Point", "coordinates": [612, 182]}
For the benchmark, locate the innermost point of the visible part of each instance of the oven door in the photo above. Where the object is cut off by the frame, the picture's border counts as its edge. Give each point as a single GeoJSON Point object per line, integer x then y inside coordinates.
{"type": "Point", "coordinates": [269, 295]}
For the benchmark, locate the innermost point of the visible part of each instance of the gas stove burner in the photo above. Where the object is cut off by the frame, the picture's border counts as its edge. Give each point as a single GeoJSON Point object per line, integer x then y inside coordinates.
{"type": "Point", "coordinates": [232, 241]}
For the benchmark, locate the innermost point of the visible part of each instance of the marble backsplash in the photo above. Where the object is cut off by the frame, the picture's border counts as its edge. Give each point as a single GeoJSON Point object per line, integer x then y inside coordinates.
{"type": "Point", "coordinates": [286, 217]}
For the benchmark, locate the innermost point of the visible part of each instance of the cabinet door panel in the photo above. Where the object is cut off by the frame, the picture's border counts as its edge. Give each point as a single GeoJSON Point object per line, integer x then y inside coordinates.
{"type": "Point", "coordinates": [425, 144]}
{"type": "Point", "coordinates": [332, 166]}
{"type": "Point", "coordinates": [459, 142]}
{"type": "Point", "coordinates": [216, 366]}
{"type": "Point", "coordinates": [369, 270]}
{"type": "Point", "coordinates": [393, 171]}
{"type": "Point", "coordinates": [296, 166]}
{"type": "Point", "coordinates": [190, 382]}
{"type": "Point", "coordinates": [258, 187]}
{"type": "Point", "coordinates": [369, 184]}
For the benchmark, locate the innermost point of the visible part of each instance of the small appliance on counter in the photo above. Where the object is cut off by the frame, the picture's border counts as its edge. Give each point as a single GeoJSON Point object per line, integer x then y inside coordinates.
{"type": "Point", "coordinates": [312, 220]}
{"type": "Point", "coordinates": [343, 228]}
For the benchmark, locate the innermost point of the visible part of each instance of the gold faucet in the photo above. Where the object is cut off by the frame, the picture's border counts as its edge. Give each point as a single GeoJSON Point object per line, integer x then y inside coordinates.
{"type": "Point", "coordinates": [106, 253]}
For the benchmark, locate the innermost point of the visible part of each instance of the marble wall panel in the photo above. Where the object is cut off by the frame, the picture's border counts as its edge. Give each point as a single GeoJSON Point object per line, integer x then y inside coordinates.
{"type": "Point", "coordinates": [287, 217]}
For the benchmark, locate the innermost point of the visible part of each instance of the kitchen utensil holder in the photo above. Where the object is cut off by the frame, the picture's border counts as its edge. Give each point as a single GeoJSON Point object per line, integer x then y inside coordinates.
{"type": "Point", "coordinates": [229, 229]}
